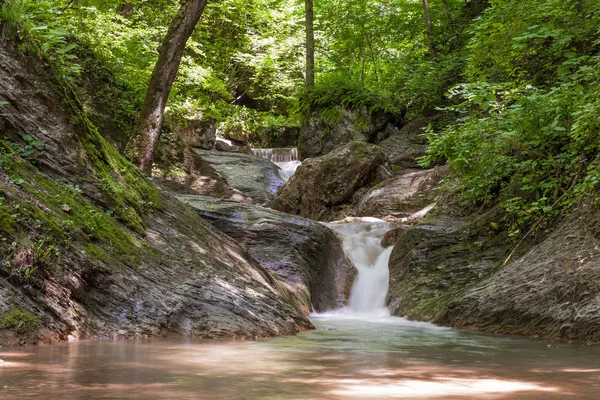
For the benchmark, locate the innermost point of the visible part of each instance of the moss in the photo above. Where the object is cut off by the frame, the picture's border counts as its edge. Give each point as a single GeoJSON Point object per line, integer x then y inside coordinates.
{"type": "Point", "coordinates": [124, 185]}
{"type": "Point", "coordinates": [20, 321]}
{"type": "Point", "coordinates": [60, 214]}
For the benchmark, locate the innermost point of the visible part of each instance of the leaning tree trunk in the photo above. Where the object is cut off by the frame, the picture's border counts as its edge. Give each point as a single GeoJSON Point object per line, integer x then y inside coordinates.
{"type": "Point", "coordinates": [149, 124]}
{"type": "Point", "coordinates": [310, 45]}
{"type": "Point", "coordinates": [429, 31]}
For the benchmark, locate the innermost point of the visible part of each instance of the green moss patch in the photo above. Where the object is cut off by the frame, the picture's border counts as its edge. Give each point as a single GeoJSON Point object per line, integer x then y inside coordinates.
{"type": "Point", "coordinates": [19, 321]}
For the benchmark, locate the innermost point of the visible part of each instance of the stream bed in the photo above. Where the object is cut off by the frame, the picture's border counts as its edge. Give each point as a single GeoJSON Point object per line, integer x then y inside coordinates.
{"type": "Point", "coordinates": [357, 352]}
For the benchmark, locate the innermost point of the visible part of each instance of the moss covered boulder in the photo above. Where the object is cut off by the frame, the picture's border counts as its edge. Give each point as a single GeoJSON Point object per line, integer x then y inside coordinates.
{"type": "Point", "coordinates": [434, 263]}
{"type": "Point", "coordinates": [319, 135]}
{"type": "Point", "coordinates": [328, 188]}
{"type": "Point", "coordinates": [552, 291]}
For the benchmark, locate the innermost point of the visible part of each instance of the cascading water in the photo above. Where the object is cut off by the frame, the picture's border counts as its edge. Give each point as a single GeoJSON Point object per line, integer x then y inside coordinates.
{"type": "Point", "coordinates": [286, 159]}
{"type": "Point", "coordinates": [362, 245]}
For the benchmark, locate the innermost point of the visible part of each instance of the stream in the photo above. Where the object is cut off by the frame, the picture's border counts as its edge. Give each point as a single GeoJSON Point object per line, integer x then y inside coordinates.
{"type": "Point", "coordinates": [357, 352]}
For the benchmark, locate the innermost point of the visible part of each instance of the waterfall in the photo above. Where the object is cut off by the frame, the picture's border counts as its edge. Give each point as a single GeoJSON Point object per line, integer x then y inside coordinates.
{"type": "Point", "coordinates": [285, 159]}
{"type": "Point", "coordinates": [361, 244]}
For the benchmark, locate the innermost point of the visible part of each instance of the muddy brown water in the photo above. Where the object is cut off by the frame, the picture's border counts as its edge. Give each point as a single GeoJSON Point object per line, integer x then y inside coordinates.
{"type": "Point", "coordinates": [345, 358]}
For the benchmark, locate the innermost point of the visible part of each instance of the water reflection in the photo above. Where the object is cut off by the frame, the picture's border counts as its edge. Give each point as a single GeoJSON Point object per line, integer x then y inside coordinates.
{"type": "Point", "coordinates": [343, 359]}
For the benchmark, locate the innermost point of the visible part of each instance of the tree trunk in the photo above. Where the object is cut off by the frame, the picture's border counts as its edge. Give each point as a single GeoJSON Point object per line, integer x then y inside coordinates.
{"type": "Point", "coordinates": [310, 45]}
{"type": "Point", "coordinates": [125, 10]}
{"type": "Point", "coordinates": [149, 124]}
{"type": "Point", "coordinates": [429, 31]}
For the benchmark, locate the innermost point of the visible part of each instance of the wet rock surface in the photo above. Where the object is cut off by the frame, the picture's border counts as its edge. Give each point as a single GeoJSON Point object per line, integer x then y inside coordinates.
{"type": "Point", "coordinates": [303, 254]}
{"type": "Point", "coordinates": [328, 188]}
{"type": "Point", "coordinates": [256, 177]}
{"type": "Point", "coordinates": [402, 196]}
{"type": "Point", "coordinates": [393, 235]}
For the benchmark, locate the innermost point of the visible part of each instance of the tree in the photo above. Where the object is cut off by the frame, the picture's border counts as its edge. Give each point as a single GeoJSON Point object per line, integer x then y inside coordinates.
{"type": "Point", "coordinates": [150, 120]}
{"type": "Point", "coordinates": [429, 31]}
{"type": "Point", "coordinates": [310, 45]}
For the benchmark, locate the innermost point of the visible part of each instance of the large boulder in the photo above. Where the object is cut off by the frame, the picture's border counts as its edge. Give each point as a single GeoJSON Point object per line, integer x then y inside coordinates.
{"type": "Point", "coordinates": [257, 178]}
{"type": "Point", "coordinates": [464, 273]}
{"type": "Point", "coordinates": [328, 188]}
{"type": "Point", "coordinates": [318, 137]}
{"type": "Point", "coordinates": [404, 146]}
{"type": "Point", "coordinates": [306, 256]}
{"type": "Point", "coordinates": [402, 196]}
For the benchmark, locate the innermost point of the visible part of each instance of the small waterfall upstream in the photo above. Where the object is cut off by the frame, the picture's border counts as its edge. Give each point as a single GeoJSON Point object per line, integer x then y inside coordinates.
{"type": "Point", "coordinates": [362, 245]}
{"type": "Point", "coordinates": [286, 159]}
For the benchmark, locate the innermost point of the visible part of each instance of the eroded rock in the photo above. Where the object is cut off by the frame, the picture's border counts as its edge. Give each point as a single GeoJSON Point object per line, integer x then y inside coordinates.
{"type": "Point", "coordinates": [552, 291]}
{"type": "Point", "coordinates": [150, 267]}
{"type": "Point", "coordinates": [434, 262]}
{"type": "Point", "coordinates": [306, 256]}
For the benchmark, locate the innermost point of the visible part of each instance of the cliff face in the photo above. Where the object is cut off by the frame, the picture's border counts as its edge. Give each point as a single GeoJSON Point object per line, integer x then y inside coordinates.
{"type": "Point", "coordinates": [89, 248]}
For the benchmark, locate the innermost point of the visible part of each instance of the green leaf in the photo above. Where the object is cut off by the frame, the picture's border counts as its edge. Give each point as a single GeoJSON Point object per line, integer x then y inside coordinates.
{"type": "Point", "coordinates": [491, 97]}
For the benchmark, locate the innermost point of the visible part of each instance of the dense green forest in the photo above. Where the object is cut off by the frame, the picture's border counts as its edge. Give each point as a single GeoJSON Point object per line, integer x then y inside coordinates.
{"type": "Point", "coordinates": [509, 88]}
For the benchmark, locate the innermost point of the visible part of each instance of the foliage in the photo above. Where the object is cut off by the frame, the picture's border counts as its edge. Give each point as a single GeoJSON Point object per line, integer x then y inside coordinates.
{"type": "Point", "coordinates": [530, 149]}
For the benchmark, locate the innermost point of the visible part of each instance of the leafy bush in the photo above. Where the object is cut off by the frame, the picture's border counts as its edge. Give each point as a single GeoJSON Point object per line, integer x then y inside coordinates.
{"type": "Point", "coordinates": [531, 149]}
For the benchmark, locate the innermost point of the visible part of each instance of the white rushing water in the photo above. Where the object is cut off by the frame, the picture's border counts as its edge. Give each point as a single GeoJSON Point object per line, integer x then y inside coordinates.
{"type": "Point", "coordinates": [286, 159]}
{"type": "Point", "coordinates": [361, 243]}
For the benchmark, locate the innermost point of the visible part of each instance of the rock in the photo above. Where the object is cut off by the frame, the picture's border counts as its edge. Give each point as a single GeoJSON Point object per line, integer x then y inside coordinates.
{"type": "Point", "coordinates": [552, 291]}
{"type": "Point", "coordinates": [198, 177]}
{"type": "Point", "coordinates": [230, 147]}
{"type": "Point", "coordinates": [306, 256]}
{"type": "Point", "coordinates": [318, 138]}
{"type": "Point", "coordinates": [198, 133]}
{"type": "Point", "coordinates": [404, 146]}
{"type": "Point", "coordinates": [285, 136]}
{"type": "Point", "coordinates": [392, 236]}
{"type": "Point", "coordinates": [328, 188]}
{"type": "Point", "coordinates": [257, 178]}
{"type": "Point", "coordinates": [170, 273]}
{"type": "Point", "coordinates": [402, 196]}
{"type": "Point", "coordinates": [434, 262]}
